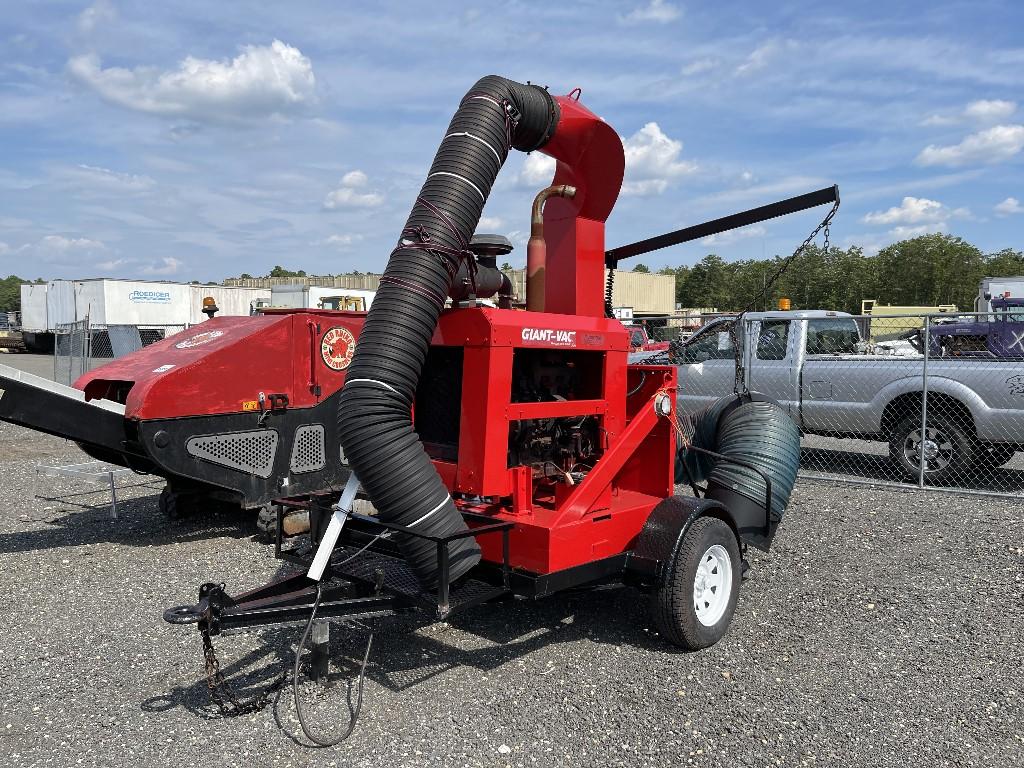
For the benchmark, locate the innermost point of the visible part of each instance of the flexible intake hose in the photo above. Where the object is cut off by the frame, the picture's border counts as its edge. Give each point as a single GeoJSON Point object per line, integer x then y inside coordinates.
{"type": "Point", "coordinates": [374, 409]}
{"type": "Point", "coordinates": [753, 430]}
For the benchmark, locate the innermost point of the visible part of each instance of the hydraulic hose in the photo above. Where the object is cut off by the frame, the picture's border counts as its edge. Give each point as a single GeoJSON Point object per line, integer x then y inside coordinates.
{"type": "Point", "coordinates": [374, 409]}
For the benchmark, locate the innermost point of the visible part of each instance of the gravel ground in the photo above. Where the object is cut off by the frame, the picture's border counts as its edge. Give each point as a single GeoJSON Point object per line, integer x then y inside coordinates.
{"type": "Point", "coordinates": [882, 630]}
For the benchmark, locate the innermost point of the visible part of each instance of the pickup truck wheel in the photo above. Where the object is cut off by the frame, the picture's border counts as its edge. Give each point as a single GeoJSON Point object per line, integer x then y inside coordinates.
{"type": "Point", "coordinates": [694, 605]}
{"type": "Point", "coordinates": [949, 451]}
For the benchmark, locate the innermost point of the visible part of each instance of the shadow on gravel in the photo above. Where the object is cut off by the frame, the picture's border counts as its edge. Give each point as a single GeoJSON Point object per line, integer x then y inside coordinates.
{"type": "Point", "coordinates": [247, 676]}
{"type": "Point", "coordinates": [138, 525]}
{"type": "Point", "coordinates": [875, 467]}
{"type": "Point", "coordinates": [410, 650]}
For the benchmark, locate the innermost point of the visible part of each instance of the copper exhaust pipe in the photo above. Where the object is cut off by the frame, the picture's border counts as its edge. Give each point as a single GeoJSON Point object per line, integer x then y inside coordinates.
{"type": "Point", "coordinates": [536, 249]}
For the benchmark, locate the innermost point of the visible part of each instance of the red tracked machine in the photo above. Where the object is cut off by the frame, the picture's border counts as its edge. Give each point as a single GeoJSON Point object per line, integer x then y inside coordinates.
{"type": "Point", "coordinates": [504, 451]}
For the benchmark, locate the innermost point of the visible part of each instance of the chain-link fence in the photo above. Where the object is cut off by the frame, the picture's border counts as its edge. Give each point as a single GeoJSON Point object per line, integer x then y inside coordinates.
{"type": "Point", "coordinates": [80, 347]}
{"type": "Point", "coordinates": [932, 401]}
{"type": "Point", "coordinates": [70, 351]}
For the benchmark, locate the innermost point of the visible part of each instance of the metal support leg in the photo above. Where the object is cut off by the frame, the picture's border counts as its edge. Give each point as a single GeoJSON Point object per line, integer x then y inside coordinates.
{"type": "Point", "coordinates": [924, 404]}
{"type": "Point", "coordinates": [320, 649]}
{"type": "Point", "coordinates": [113, 497]}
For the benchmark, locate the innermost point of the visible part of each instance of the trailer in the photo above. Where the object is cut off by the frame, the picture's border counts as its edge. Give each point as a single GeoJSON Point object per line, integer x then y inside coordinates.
{"type": "Point", "coordinates": [161, 306]}
{"type": "Point", "coordinates": [505, 453]}
{"type": "Point", "coordinates": [297, 296]}
{"type": "Point", "coordinates": [998, 288]}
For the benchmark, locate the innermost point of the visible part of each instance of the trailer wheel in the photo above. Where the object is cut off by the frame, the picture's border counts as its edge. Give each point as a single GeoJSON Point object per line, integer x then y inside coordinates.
{"type": "Point", "coordinates": [949, 451]}
{"type": "Point", "coordinates": [266, 524]}
{"type": "Point", "coordinates": [174, 505]}
{"type": "Point", "coordinates": [693, 606]}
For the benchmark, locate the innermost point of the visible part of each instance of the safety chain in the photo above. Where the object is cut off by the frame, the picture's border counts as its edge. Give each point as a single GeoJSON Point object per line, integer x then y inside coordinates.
{"type": "Point", "coordinates": [221, 692]}
{"type": "Point", "coordinates": [825, 225]}
{"type": "Point", "coordinates": [739, 385]}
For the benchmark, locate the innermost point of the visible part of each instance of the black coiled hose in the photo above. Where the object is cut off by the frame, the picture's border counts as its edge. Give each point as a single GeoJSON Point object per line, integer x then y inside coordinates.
{"type": "Point", "coordinates": [756, 431]}
{"type": "Point", "coordinates": [374, 409]}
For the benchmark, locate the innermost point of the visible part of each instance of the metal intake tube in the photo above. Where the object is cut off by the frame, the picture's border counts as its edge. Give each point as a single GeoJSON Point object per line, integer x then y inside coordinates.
{"type": "Point", "coordinates": [374, 412]}
{"type": "Point", "coordinates": [536, 248]}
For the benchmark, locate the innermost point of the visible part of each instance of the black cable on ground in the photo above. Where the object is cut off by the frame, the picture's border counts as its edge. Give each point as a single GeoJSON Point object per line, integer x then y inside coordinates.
{"type": "Point", "coordinates": [353, 711]}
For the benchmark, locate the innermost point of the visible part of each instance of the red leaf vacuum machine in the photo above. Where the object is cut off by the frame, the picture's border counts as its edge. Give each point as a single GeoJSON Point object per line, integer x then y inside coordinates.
{"type": "Point", "coordinates": [502, 452]}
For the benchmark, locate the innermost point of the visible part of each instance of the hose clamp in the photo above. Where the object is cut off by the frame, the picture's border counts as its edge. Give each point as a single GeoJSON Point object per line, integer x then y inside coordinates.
{"type": "Point", "coordinates": [663, 404]}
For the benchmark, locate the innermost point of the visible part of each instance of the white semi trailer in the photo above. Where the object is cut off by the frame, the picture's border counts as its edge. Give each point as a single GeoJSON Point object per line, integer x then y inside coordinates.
{"type": "Point", "coordinates": [318, 297]}
{"type": "Point", "coordinates": [164, 307]}
{"type": "Point", "coordinates": [998, 287]}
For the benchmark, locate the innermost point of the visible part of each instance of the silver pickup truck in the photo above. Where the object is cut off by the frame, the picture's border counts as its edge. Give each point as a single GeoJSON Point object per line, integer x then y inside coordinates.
{"type": "Point", "coordinates": [815, 365]}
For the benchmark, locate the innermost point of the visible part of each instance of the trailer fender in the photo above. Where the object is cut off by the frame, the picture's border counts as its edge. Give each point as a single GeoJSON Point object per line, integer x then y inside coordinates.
{"type": "Point", "coordinates": [663, 533]}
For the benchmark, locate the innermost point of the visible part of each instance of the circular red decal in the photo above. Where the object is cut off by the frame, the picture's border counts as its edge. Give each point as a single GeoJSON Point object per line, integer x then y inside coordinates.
{"type": "Point", "coordinates": [337, 347]}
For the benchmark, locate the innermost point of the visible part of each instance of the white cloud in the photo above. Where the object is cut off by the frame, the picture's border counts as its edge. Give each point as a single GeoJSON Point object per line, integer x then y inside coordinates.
{"type": "Point", "coordinates": [652, 161]}
{"type": "Point", "coordinates": [61, 244]}
{"type": "Point", "coordinates": [4, 248]}
{"type": "Point", "coordinates": [992, 145]}
{"type": "Point", "coordinates": [95, 176]}
{"type": "Point", "coordinates": [697, 67]}
{"type": "Point", "coordinates": [916, 216]}
{"type": "Point", "coordinates": [1009, 206]}
{"type": "Point", "coordinates": [111, 264]}
{"type": "Point", "coordinates": [760, 56]}
{"type": "Point", "coordinates": [341, 242]}
{"type": "Point", "coordinates": [348, 195]}
{"type": "Point", "coordinates": [489, 224]}
{"type": "Point", "coordinates": [100, 12]}
{"type": "Point", "coordinates": [261, 80]}
{"type": "Point", "coordinates": [168, 265]}
{"type": "Point", "coordinates": [656, 10]}
{"type": "Point", "coordinates": [911, 211]}
{"type": "Point", "coordinates": [735, 235]}
{"type": "Point", "coordinates": [982, 110]}
{"type": "Point", "coordinates": [537, 169]}
{"type": "Point", "coordinates": [990, 109]}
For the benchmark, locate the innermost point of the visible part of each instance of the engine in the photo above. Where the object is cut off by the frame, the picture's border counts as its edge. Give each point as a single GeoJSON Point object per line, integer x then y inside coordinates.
{"type": "Point", "coordinates": [556, 448]}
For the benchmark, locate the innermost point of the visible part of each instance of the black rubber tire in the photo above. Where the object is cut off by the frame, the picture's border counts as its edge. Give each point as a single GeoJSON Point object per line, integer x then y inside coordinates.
{"type": "Point", "coordinates": [672, 606]}
{"type": "Point", "coordinates": [957, 465]}
{"type": "Point", "coordinates": [266, 524]}
{"type": "Point", "coordinates": [171, 506]}
{"type": "Point", "coordinates": [995, 454]}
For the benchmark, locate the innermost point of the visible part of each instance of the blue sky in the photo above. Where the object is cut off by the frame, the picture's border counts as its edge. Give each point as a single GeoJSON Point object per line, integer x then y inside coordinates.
{"type": "Point", "coordinates": [198, 140]}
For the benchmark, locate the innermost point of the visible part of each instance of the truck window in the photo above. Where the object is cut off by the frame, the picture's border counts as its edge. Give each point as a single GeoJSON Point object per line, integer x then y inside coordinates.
{"type": "Point", "coordinates": [712, 344]}
{"type": "Point", "coordinates": [832, 336]}
{"type": "Point", "coordinates": [772, 340]}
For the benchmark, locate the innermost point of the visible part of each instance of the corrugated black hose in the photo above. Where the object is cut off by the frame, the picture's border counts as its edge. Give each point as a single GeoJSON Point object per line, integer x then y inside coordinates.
{"type": "Point", "coordinates": [752, 429]}
{"type": "Point", "coordinates": [374, 416]}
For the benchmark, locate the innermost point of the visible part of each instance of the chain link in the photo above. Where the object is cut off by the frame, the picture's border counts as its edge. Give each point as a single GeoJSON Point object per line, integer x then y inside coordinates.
{"type": "Point", "coordinates": [740, 379]}
{"type": "Point", "coordinates": [221, 692]}
{"type": "Point", "coordinates": [825, 225]}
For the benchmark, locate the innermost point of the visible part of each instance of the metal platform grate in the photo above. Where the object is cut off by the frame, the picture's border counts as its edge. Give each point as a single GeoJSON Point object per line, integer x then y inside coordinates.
{"type": "Point", "coordinates": [400, 578]}
{"type": "Point", "coordinates": [308, 453]}
{"type": "Point", "coordinates": [252, 451]}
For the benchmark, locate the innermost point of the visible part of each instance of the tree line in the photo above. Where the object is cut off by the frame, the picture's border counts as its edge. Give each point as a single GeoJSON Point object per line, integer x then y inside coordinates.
{"type": "Point", "coordinates": [923, 271]}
